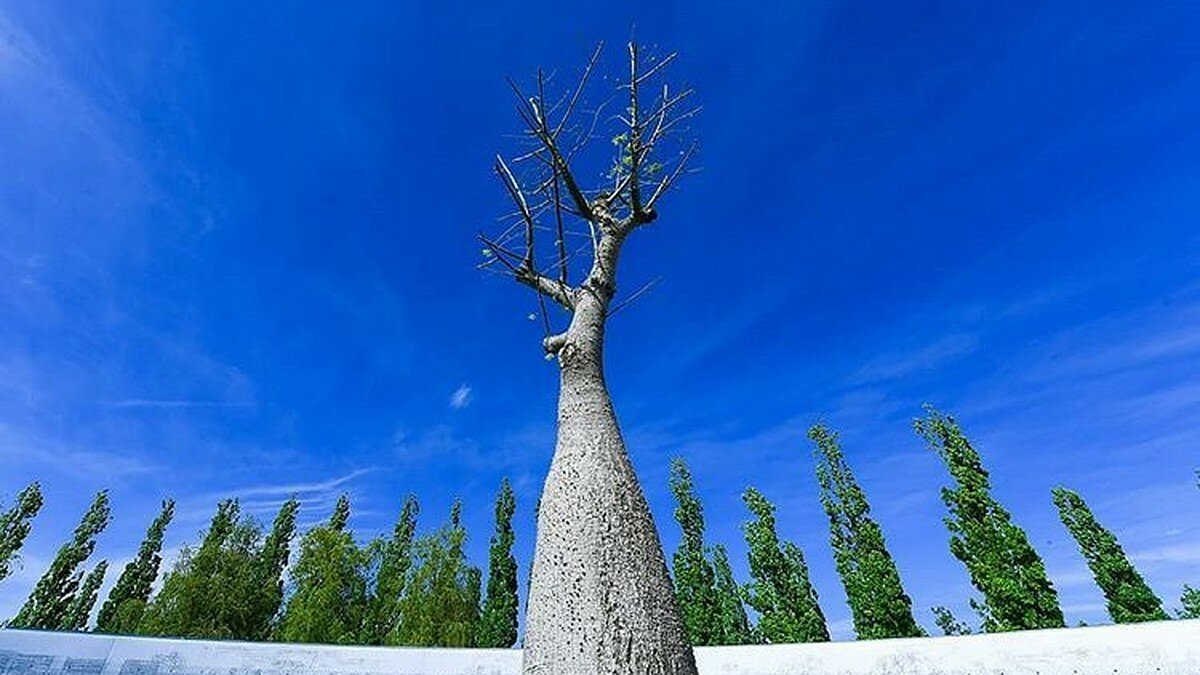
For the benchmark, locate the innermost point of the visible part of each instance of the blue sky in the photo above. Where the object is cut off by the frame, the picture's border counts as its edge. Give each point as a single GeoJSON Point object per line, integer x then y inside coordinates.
{"type": "Point", "coordinates": [237, 259]}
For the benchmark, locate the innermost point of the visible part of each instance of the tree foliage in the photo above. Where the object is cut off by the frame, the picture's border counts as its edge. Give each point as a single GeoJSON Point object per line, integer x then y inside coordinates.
{"type": "Point", "coordinates": [391, 561]}
{"type": "Point", "coordinates": [126, 602]}
{"type": "Point", "coordinates": [779, 590]}
{"type": "Point", "coordinates": [329, 597]}
{"type": "Point", "coordinates": [1129, 598]}
{"type": "Point", "coordinates": [267, 572]}
{"type": "Point", "coordinates": [1017, 593]}
{"type": "Point", "coordinates": [85, 598]}
{"type": "Point", "coordinates": [1191, 603]}
{"type": "Point", "coordinates": [878, 604]}
{"type": "Point", "coordinates": [734, 626]}
{"type": "Point", "coordinates": [440, 607]}
{"type": "Point", "coordinates": [15, 524]}
{"type": "Point", "coordinates": [693, 575]}
{"type": "Point", "coordinates": [224, 588]}
{"type": "Point", "coordinates": [498, 618]}
{"type": "Point", "coordinates": [949, 625]}
{"type": "Point", "coordinates": [48, 605]}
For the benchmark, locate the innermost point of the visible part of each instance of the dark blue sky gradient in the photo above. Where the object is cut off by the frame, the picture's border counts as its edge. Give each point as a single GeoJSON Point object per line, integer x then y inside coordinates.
{"type": "Point", "coordinates": [237, 258]}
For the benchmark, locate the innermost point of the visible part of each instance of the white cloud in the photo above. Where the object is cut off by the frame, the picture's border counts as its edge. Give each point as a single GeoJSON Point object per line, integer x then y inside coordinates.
{"type": "Point", "coordinates": [1171, 554]}
{"type": "Point", "coordinates": [173, 403]}
{"type": "Point", "coordinates": [461, 397]}
{"type": "Point", "coordinates": [899, 364]}
{"type": "Point", "coordinates": [288, 489]}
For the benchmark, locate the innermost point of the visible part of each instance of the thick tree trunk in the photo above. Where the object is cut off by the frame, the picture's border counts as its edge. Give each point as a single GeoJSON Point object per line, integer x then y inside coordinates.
{"type": "Point", "coordinates": [600, 599]}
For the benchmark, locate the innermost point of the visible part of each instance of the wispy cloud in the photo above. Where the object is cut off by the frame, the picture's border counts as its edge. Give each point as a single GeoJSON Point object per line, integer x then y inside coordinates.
{"type": "Point", "coordinates": [891, 366]}
{"type": "Point", "coordinates": [287, 489]}
{"type": "Point", "coordinates": [461, 397]}
{"type": "Point", "coordinates": [174, 403]}
{"type": "Point", "coordinates": [1170, 554]}
{"type": "Point", "coordinates": [22, 447]}
{"type": "Point", "coordinates": [264, 499]}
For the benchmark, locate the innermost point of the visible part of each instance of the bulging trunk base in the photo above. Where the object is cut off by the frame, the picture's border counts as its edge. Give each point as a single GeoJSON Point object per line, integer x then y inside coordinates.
{"type": "Point", "coordinates": [600, 599]}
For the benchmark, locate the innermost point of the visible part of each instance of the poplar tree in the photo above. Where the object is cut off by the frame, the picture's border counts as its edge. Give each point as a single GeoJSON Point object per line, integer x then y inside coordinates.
{"type": "Point", "coordinates": [391, 560]}
{"type": "Point", "coordinates": [1129, 598]}
{"type": "Point", "coordinates": [949, 625]}
{"type": "Point", "coordinates": [212, 590]}
{"type": "Point", "coordinates": [1017, 593]}
{"type": "Point", "coordinates": [779, 590]}
{"type": "Point", "coordinates": [15, 524]}
{"type": "Point", "coordinates": [878, 604]}
{"type": "Point", "coordinates": [440, 607]}
{"type": "Point", "coordinates": [695, 581]}
{"type": "Point", "coordinates": [498, 618]}
{"type": "Point", "coordinates": [126, 602]}
{"type": "Point", "coordinates": [81, 605]}
{"type": "Point", "coordinates": [187, 605]}
{"type": "Point", "coordinates": [51, 598]}
{"type": "Point", "coordinates": [1191, 603]}
{"type": "Point", "coordinates": [329, 599]}
{"type": "Point", "coordinates": [734, 626]}
{"type": "Point", "coordinates": [268, 567]}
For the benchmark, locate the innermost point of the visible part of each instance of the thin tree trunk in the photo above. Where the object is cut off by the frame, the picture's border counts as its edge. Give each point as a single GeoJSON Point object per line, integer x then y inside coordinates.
{"type": "Point", "coordinates": [600, 599]}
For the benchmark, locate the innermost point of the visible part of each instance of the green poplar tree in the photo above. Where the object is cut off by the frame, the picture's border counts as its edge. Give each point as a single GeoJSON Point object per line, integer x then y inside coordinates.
{"type": "Point", "coordinates": [329, 582]}
{"type": "Point", "coordinates": [187, 604]}
{"type": "Point", "coordinates": [268, 567]}
{"type": "Point", "coordinates": [1017, 593]}
{"type": "Point", "coordinates": [878, 604]}
{"type": "Point", "coordinates": [734, 626]}
{"type": "Point", "coordinates": [1129, 598]}
{"type": "Point", "coordinates": [695, 581]}
{"type": "Point", "coordinates": [779, 590]}
{"type": "Point", "coordinates": [498, 619]}
{"type": "Point", "coordinates": [949, 625]}
{"type": "Point", "coordinates": [440, 607]}
{"type": "Point", "coordinates": [126, 602]}
{"type": "Point", "coordinates": [51, 598]}
{"type": "Point", "coordinates": [1191, 603]}
{"type": "Point", "coordinates": [391, 560]}
{"type": "Point", "coordinates": [211, 591]}
{"type": "Point", "coordinates": [15, 524]}
{"type": "Point", "coordinates": [81, 605]}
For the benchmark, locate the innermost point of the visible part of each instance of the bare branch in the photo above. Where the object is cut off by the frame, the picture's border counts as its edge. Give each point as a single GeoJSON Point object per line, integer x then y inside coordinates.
{"type": "Point", "coordinates": [670, 124]}
{"type": "Point", "coordinates": [581, 202]}
{"type": "Point", "coordinates": [587, 73]}
{"type": "Point", "coordinates": [667, 103]}
{"type": "Point", "coordinates": [562, 242]}
{"type": "Point", "coordinates": [558, 128]}
{"type": "Point", "coordinates": [535, 122]}
{"type": "Point", "coordinates": [514, 190]}
{"type": "Point", "coordinates": [635, 135]}
{"type": "Point", "coordinates": [554, 343]}
{"type": "Point", "coordinates": [656, 67]}
{"type": "Point", "coordinates": [634, 296]}
{"type": "Point", "coordinates": [500, 253]}
{"type": "Point", "coordinates": [670, 178]}
{"type": "Point", "coordinates": [541, 298]}
{"type": "Point", "coordinates": [557, 291]}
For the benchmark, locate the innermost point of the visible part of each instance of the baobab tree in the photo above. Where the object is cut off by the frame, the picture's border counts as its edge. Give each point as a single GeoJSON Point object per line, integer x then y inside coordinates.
{"type": "Point", "coordinates": [600, 598]}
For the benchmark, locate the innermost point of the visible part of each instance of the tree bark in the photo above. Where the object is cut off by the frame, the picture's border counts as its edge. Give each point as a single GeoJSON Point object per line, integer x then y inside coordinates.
{"type": "Point", "coordinates": [600, 599]}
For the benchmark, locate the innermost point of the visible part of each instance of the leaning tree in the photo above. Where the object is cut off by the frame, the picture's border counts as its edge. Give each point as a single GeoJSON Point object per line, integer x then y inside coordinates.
{"type": "Point", "coordinates": [600, 598]}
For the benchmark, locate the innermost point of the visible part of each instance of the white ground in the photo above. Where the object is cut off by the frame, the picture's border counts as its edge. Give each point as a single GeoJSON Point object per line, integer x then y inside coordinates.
{"type": "Point", "coordinates": [1164, 648]}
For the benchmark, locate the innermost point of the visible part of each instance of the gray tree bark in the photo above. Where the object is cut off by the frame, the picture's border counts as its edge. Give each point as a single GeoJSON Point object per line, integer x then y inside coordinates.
{"type": "Point", "coordinates": [600, 598]}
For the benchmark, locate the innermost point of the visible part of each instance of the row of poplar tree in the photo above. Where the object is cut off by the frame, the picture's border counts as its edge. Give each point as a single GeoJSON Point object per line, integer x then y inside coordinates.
{"type": "Point", "coordinates": [402, 589]}
{"type": "Point", "coordinates": [1006, 570]}
{"type": "Point", "coordinates": [399, 589]}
